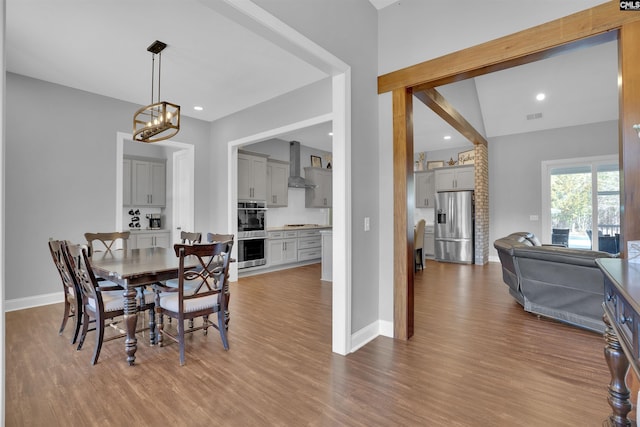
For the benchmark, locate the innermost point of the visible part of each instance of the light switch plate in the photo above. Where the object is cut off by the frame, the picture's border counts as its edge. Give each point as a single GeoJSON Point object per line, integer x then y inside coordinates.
{"type": "Point", "coordinates": [533, 217]}
{"type": "Point", "coordinates": [367, 223]}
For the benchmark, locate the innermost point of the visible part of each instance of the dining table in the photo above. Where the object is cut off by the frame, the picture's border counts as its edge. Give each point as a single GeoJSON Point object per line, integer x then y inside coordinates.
{"type": "Point", "coordinates": [133, 269]}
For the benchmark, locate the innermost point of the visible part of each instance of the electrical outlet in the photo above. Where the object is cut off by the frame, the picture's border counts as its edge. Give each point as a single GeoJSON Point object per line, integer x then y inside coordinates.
{"type": "Point", "coordinates": [367, 223]}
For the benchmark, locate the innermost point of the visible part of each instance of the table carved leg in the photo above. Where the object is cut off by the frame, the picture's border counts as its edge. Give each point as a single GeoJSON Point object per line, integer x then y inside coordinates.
{"type": "Point", "coordinates": [130, 321]}
{"type": "Point", "coordinates": [618, 391]}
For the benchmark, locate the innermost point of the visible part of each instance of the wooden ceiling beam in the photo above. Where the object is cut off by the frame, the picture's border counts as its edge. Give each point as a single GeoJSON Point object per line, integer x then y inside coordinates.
{"type": "Point", "coordinates": [434, 100]}
{"type": "Point", "coordinates": [522, 47]}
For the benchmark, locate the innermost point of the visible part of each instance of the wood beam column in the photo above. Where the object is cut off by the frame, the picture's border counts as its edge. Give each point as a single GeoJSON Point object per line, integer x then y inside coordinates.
{"type": "Point", "coordinates": [403, 204]}
{"type": "Point", "coordinates": [629, 57]}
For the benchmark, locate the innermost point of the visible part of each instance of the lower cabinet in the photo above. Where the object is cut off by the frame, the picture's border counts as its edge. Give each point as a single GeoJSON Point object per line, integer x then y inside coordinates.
{"type": "Point", "coordinates": [158, 239]}
{"type": "Point", "coordinates": [429, 242]}
{"type": "Point", "coordinates": [282, 247]}
{"type": "Point", "coordinates": [290, 246]}
{"type": "Point", "coordinates": [309, 245]}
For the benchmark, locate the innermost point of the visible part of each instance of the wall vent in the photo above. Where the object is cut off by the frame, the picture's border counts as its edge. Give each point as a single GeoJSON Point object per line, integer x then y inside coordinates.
{"type": "Point", "coordinates": [534, 116]}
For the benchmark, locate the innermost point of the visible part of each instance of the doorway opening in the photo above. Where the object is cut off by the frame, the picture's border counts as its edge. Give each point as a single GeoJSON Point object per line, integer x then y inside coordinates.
{"type": "Point", "coordinates": [182, 165]}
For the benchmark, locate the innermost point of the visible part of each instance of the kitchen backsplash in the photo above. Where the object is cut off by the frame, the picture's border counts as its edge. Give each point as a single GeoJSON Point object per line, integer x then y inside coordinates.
{"type": "Point", "coordinates": [428, 214]}
{"type": "Point", "coordinates": [296, 213]}
{"type": "Point", "coordinates": [140, 214]}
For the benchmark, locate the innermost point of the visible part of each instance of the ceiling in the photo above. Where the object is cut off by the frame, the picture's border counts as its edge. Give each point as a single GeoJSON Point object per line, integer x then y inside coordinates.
{"type": "Point", "coordinates": [215, 62]}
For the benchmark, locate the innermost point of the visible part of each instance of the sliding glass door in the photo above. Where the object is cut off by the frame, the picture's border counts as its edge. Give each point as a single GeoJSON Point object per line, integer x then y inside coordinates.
{"type": "Point", "coordinates": [581, 203]}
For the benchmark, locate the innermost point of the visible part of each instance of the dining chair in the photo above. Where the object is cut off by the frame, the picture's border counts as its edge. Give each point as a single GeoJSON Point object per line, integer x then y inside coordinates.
{"type": "Point", "coordinates": [107, 240]}
{"type": "Point", "coordinates": [208, 297]}
{"type": "Point", "coordinates": [190, 238]}
{"type": "Point", "coordinates": [212, 238]}
{"type": "Point", "coordinates": [418, 243]}
{"type": "Point", "coordinates": [72, 296]}
{"type": "Point", "coordinates": [100, 304]}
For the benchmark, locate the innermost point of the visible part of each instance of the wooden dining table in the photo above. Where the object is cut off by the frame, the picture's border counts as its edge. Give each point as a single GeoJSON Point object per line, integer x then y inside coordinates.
{"type": "Point", "coordinates": [132, 269]}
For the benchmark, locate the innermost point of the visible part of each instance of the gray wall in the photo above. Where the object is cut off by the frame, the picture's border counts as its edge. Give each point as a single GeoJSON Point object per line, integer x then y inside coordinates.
{"type": "Point", "coordinates": [515, 171]}
{"type": "Point", "coordinates": [60, 174]}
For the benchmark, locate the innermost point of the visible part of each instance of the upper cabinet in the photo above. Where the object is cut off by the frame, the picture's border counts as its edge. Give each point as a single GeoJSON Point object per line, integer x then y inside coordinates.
{"type": "Point", "coordinates": [277, 183]}
{"type": "Point", "coordinates": [455, 178]}
{"type": "Point", "coordinates": [252, 176]}
{"type": "Point", "coordinates": [321, 195]}
{"type": "Point", "coordinates": [425, 189]}
{"type": "Point", "coordinates": [145, 182]}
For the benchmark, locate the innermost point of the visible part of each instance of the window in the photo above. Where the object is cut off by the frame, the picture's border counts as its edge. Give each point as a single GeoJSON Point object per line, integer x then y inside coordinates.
{"type": "Point", "coordinates": [581, 203]}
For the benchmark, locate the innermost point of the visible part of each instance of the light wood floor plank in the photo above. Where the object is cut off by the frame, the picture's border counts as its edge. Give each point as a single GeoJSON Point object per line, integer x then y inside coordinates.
{"type": "Point", "coordinates": [476, 359]}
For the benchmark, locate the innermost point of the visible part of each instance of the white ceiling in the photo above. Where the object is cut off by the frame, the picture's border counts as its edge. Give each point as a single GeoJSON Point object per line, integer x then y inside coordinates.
{"type": "Point", "coordinates": [214, 62]}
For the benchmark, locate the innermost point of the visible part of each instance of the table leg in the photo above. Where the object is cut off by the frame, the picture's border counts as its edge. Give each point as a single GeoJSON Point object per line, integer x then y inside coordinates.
{"type": "Point", "coordinates": [130, 321]}
{"type": "Point", "coordinates": [618, 366]}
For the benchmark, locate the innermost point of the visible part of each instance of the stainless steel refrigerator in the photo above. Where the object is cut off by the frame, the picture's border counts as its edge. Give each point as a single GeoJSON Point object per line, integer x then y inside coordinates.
{"type": "Point", "coordinates": [454, 227]}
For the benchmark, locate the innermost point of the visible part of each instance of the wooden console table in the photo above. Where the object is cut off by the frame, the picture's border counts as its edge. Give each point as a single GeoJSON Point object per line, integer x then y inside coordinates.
{"type": "Point", "coordinates": [622, 319]}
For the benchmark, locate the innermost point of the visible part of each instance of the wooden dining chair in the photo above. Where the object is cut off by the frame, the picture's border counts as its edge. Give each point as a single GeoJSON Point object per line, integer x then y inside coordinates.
{"type": "Point", "coordinates": [107, 241]}
{"type": "Point", "coordinates": [72, 295]}
{"type": "Point", "coordinates": [100, 304]}
{"type": "Point", "coordinates": [212, 238]}
{"type": "Point", "coordinates": [208, 297]}
{"type": "Point", "coordinates": [189, 238]}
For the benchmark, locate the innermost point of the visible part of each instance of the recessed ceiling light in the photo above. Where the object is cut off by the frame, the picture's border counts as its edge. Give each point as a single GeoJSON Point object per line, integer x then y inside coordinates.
{"type": "Point", "coordinates": [330, 133]}
{"type": "Point", "coordinates": [447, 137]}
{"type": "Point", "coordinates": [198, 108]}
{"type": "Point", "coordinates": [541, 96]}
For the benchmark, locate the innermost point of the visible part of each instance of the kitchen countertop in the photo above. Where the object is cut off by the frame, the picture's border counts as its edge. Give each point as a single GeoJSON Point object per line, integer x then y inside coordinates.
{"type": "Point", "coordinates": [298, 227]}
{"type": "Point", "coordinates": [147, 230]}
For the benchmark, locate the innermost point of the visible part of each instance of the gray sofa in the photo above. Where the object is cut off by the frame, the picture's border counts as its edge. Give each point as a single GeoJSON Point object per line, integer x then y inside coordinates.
{"type": "Point", "coordinates": [553, 281]}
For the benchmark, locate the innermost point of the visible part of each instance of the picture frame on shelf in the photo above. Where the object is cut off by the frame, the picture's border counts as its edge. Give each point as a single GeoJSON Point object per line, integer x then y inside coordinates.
{"type": "Point", "coordinates": [467, 157]}
{"type": "Point", "coordinates": [434, 164]}
{"type": "Point", "coordinates": [316, 161]}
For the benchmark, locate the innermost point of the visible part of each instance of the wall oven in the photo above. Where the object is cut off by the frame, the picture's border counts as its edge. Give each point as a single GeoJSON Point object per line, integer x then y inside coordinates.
{"type": "Point", "coordinates": [252, 234]}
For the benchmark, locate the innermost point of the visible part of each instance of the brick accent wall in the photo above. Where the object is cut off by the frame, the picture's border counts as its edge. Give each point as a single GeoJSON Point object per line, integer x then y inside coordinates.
{"type": "Point", "coordinates": [482, 204]}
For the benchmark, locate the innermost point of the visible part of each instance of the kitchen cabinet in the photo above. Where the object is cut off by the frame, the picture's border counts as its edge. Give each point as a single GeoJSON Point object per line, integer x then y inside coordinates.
{"type": "Point", "coordinates": [277, 183]}
{"type": "Point", "coordinates": [252, 176]}
{"type": "Point", "coordinates": [282, 247]}
{"type": "Point", "coordinates": [148, 183]}
{"type": "Point", "coordinates": [158, 239]}
{"type": "Point", "coordinates": [321, 195]}
{"type": "Point", "coordinates": [126, 182]}
{"type": "Point", "coordinates": [429, 246]}
{"type": "Point", "coordinates": [425, 189]}
{"type": "Point", "coordinates": [309, 244]}
{"type": "Point", "coordinates": [455, 178]}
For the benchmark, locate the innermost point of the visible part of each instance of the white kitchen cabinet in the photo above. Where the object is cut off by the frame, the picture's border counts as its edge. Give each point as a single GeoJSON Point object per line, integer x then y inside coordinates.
{"type": "Point", "coordinates": [455, 178]}
{"type": "Point", "coordinates": [425, 189]}
{"type": "Point", "coordinates": [252, 176]}
{"type": "Point", "coordinates": [148, 183]}
{"type": "Point", "coordinates": [309, 245]}
{"type": "Point", "coordinates": [429, 246]}
{"type": "Point", "coordinates": [321, 195]}
{"type": "Point", "coordinates": [126, 182]}
{"type": "Point", "coordinates": [282, 247]}
{"type": "Point", "coordinates": [277, 183]}
{"type": "Point", "coordinates": [159, 239]}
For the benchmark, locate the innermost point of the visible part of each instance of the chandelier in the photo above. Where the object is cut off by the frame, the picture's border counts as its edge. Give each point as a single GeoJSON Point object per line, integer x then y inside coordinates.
{"type": "Point", "coordinates": [160, 120]}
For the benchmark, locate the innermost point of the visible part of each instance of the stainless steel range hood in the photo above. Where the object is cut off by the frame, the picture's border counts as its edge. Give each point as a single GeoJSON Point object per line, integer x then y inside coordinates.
{"type": "Point", "coordinates": [295, 179]}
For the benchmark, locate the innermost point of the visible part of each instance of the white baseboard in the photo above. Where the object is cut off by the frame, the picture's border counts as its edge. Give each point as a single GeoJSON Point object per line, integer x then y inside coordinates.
{"type": "Point", "coordinates": [30, 302]}
{"type": "Point", "coordinates": [370, 332]}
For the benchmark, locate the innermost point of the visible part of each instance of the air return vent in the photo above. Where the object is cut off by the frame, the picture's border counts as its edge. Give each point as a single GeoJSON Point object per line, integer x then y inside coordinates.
{"type": "Point", "coordinates": [534, 116]}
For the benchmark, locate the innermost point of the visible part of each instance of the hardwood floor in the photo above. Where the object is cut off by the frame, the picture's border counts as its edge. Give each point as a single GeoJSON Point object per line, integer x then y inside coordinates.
{"type": "Point", "coordinates": [476, 359]}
